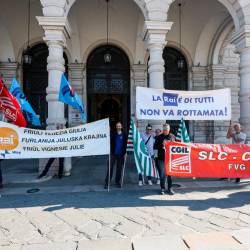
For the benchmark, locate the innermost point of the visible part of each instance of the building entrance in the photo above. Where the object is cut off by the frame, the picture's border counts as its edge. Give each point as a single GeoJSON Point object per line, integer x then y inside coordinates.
{"type": "Point", "coordinates": [108, 85]}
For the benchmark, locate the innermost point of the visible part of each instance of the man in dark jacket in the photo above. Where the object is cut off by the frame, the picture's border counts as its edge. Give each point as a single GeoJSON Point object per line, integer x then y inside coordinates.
{"type": "Point", "coordinates": [118, 151]}
{"type": "Point", "coordinates": [159, 146]}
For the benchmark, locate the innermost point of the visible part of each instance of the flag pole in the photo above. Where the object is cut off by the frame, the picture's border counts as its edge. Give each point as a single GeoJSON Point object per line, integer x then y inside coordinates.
{"type": "Point", "coordinates": [123, 169]}
{"type": "Point", "coordinates": [109, 175]}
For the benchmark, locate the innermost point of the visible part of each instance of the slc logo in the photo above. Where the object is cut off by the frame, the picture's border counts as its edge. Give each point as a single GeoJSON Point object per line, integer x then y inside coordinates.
{"type": "Point", "coordinates": [170, 99]}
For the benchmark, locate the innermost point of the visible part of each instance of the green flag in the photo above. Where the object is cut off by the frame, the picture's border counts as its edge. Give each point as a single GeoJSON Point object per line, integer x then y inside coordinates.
{"type": "Point", "coordinates": [182, 134]}
{"type": "Point", "coordinates": [144, 162]}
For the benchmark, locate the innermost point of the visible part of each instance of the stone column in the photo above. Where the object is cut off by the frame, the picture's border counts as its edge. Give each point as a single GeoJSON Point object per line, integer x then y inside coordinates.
{"type": "Point", "coordinates": [155, 38]}
{"type": "Point", "coordinates": [74, 119]}
{"type": "Point", "coordinates": [244, 94]}
{"type": "Point", "coordinates": [139, 78]}
{"type": "Point", "coordinates": [76, 76]}
{"type": "Point", "coordinates": [202, 131]}
{"type": "Point", "coordinates": [8, 70]}
{"type": "Point", "coordinates": [57, 30]}
{"type": "Point", "coordinates": [241, 39]}
{"type": "Point", "coordinates": [217, 77]}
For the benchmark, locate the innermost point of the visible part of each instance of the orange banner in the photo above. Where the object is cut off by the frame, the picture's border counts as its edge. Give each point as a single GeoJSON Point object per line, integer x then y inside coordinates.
{"type": "Point", "coordinates": [207, 160]}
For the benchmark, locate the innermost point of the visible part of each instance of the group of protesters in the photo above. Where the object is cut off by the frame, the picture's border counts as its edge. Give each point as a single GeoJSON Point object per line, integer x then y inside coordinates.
{"type": "Point", "coordinates": [155, 145]}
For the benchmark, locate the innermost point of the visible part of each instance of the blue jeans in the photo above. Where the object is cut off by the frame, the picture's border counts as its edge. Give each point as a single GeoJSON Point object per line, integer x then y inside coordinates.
{"type": "Point", "coordinates": [163, 176]}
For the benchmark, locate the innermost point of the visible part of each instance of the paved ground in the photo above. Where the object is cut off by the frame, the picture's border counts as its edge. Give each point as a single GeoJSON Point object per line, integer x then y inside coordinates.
{"type": "Point", "coordinates": [76, 212]}
{"type": "Point", "coordinates": [120, 219]}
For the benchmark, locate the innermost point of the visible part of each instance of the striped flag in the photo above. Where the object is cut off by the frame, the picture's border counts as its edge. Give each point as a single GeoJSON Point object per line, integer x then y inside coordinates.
{"type": "Point", "coordinates": [144, 162]}
{"type": "Point", "coordinates": [182, 134]}
{"type": "Point", "coordinates": [130, 146]}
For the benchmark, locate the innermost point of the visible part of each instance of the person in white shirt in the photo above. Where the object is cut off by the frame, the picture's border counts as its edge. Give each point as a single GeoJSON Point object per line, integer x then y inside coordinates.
{"type": "Point", "coordinates": [149, 141]}
{"type": "Point", "coordinates": [237, 136]}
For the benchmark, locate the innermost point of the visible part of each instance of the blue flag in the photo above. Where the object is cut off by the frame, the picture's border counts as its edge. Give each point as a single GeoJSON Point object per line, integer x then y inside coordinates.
{"type": "Point", "coordinates": [69, 96]}
{"type": "Point", "coordinates": [31, 116]}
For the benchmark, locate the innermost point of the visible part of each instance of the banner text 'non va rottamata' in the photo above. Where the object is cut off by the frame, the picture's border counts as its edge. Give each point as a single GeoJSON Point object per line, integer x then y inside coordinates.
{"type": "Point", "coordinates": [162, 104]}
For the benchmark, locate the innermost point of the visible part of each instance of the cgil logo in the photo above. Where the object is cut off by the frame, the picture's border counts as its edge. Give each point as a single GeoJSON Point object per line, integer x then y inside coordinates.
{"type": "Point", "coordinates": [180, 149]}
{"type": "Point", "coordinates": [180, 159]}
{"type": "Point", "coordinates": [8, 139]}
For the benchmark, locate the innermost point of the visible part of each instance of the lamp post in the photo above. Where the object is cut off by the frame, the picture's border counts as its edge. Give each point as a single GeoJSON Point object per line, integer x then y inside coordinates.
{"type": "Point", "coordinates": [107, 55]}
{"type": "Point", "coordinates": [27, 57]}
{"type": "Point", "coordinates": [180, 62]}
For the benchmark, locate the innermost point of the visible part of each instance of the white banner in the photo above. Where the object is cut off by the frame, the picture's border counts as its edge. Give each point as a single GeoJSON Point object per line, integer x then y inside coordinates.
{"type": "Point", "coordinates": [84, 140]}
{"type": "Point", "coordinates": [162, 104]}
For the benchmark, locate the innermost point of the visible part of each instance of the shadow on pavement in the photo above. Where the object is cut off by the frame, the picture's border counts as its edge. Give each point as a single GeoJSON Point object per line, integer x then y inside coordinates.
{"type": "Point", "coordinates": [121, 198]}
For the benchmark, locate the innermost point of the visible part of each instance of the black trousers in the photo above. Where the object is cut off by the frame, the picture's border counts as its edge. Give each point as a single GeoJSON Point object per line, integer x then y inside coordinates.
{"type": "Point", "coordinates": [163, 176]}
{"type": "Point", "coordinates": [119, 161]}
{"type": "Point", "coordinates": [49, 164]}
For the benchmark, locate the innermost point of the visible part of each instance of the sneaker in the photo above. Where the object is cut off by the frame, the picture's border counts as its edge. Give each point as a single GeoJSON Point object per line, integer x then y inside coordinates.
{"type": "Point", "coordinates": [162, 191]}
{"type": "Point", "coordinates": [150, 183]}
{"type": "Point", "coordinates": [158, 182]}
{"type": "Point", "coordinates": [170, 191]}
{"type": "Point", "coordinates": [106, 186]}
{"type": "Point", "coordinates": [140, 183]}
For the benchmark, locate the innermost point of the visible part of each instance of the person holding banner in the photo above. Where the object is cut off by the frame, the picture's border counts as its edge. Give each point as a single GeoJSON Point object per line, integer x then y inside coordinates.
{"type": "Point", "coordinates": [118, 150]}
{"type": "Point", "coordinates": [49, 164]}
{"type": "Point", "coordinates": [149, 141]}
{"type": "Point", "coordinates": [160, 147]}
{"type": "Point", "coordinates": [157, 133]}
{"type": "Point", "coordinates": [51, 160]}
{"type": "Point", "coordinates": [237, 136]}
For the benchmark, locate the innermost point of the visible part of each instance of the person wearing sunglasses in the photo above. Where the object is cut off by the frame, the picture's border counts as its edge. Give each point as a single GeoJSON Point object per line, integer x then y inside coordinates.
{"type": "Point", "coordinates": [149, 141]}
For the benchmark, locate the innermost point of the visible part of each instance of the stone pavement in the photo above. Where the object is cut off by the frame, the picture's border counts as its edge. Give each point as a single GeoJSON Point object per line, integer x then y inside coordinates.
{"type": "Point", "coordinates": [196, 217]}
{"type": "Point", "coordinates": [77, 213]}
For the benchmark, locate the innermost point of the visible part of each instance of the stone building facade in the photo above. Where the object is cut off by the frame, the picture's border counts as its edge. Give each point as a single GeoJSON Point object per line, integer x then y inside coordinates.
{"type": "Point", "coordinates": [144, 37]}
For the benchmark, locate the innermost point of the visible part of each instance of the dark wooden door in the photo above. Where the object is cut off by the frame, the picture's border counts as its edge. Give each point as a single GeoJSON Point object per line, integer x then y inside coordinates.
{"type": "Point", "coordinates": [108, 86]}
